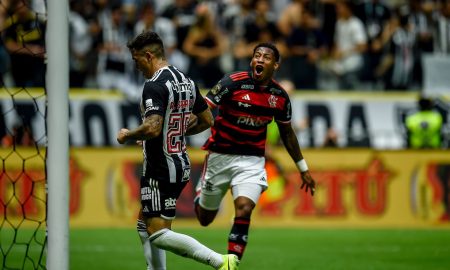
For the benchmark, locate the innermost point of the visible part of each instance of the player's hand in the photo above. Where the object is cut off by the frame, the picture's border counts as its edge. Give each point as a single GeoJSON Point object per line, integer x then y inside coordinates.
{"type": "Point", "coordinates": [308, 183]}
{"type": "Point", "coordinates": [122, 135]}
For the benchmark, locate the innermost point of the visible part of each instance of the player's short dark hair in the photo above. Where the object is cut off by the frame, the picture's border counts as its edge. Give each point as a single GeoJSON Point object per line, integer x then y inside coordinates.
{"type": "Point", "coordinates": [271, 46]}
{"type": "Point", "coordinates": [148, 39]}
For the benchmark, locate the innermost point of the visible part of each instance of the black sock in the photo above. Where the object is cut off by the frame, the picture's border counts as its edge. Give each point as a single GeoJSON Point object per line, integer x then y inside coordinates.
{"type": "Point", "coordinates": [237, 239]}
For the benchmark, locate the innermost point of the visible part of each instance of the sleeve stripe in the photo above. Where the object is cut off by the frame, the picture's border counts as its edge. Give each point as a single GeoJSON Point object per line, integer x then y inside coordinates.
{"type": "Point", "coordinates": [210, 103]}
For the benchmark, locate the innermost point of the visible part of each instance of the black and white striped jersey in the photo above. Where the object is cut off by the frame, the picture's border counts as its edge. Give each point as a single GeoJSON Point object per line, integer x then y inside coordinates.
{"type": "Point", "coordinates": [174, 96]}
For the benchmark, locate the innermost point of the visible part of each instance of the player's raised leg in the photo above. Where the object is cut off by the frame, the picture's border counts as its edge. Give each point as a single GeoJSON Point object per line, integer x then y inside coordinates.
{"type": "Point", "coordinates": [162, 237]}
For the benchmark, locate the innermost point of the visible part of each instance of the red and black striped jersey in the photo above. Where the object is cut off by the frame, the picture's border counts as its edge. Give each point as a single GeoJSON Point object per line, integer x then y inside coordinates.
{"type": "Point", "coordinates": [244, 111]}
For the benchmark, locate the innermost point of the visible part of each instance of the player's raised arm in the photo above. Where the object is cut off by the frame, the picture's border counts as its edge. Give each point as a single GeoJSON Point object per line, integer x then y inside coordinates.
{"type": "Point", "coordinates": [287, 135]}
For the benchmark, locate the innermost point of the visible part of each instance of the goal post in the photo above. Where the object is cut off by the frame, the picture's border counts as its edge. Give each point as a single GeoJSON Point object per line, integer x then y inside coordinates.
{"type": "Point", "coordinates": [57, 164]}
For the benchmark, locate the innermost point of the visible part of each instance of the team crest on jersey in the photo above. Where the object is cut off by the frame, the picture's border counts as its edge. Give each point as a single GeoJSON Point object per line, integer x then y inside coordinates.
{"type": "Point", "coordinates": [273, 101]}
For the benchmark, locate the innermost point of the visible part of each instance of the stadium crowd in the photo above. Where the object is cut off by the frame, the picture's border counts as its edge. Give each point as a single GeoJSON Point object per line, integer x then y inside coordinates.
{"type": "Point", "coordinates": [325, 44]}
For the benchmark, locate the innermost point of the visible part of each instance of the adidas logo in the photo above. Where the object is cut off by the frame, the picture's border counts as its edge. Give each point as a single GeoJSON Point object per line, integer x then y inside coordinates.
{"type": "Point", "coordinates": [246, 97]}
{"type": "Point", "coordinates": [145, 209]}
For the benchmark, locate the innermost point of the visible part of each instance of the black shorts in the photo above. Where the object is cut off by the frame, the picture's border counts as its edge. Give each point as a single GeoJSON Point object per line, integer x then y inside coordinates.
{"type": "Point", "coordinates": [159, 199]}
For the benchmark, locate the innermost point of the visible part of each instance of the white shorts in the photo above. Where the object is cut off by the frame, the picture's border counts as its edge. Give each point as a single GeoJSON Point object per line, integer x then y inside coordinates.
{"type": "Point", "coordinates": [246, 175]}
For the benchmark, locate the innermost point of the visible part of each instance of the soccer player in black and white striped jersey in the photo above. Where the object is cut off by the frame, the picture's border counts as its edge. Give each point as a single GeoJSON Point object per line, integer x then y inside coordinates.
{"type": "Point", "coordinates": [171, 108]}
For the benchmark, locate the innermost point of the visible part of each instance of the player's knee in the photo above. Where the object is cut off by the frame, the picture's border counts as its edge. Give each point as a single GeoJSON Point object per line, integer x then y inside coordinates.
{"type": "Point", "coordinates": [244, 208]}
{"type": "Point", "coordinates": [204, 217]}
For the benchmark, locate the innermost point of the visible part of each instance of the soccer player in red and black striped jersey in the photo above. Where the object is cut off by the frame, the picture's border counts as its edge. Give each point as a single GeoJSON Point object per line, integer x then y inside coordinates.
{"type": "Point", "coordinates": [247, 102]}
{"type": "Point", "coordinates": [169, 100]}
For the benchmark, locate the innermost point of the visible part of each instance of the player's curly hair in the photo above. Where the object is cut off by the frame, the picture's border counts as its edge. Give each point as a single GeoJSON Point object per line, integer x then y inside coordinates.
{"type": "Point", "coordinates": [148, 39]}
{"type": "Point", "coordinates": [270, 46]}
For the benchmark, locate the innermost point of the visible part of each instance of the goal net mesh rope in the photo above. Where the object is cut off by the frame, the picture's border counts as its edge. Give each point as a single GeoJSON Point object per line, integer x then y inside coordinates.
{"type": "Point", "coordinates": [23, 139]}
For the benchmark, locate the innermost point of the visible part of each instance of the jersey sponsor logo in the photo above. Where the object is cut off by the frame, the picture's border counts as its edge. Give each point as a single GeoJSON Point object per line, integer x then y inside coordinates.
{"type": "Point", "coordinates": [246, 97]}
{"type": "Point", "coordinates": [181, 87]}
{"type": "Point", "coordinates": [247, 86]}
{"type": "Point", "coordinates": [242, 104]}
{"type": "Point", "coordinates": [149, 105]}
{"type": "Point", "coordinates": [252, 122]}
{"type": "Point", "coordinates": [273, 101]}
{"type": "Point", "coordinates": [170, 203]}
{"type": "Point", "coordinates": [146, 194]}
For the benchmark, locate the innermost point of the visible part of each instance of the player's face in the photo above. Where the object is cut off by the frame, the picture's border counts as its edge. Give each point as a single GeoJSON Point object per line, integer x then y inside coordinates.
{"type": "Point", "coordinates": [263, 64]}
{"type": "Point", "coordinates": [142, 61]}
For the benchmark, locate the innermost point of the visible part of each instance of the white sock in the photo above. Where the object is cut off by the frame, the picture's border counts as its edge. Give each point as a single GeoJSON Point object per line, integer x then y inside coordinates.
{"type": "Point", "coordinates": [155, 257]}
{"type": "Point", "coordinates": [186, 246]}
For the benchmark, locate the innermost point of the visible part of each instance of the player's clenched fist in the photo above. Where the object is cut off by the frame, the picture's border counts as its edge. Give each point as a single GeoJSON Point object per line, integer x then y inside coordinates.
{"type": "Point", "coordinates": [122, 135]}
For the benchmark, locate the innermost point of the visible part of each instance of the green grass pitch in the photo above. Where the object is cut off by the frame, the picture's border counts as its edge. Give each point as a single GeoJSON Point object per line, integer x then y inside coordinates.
{"type": "Point", "coordinates": [279, 249]}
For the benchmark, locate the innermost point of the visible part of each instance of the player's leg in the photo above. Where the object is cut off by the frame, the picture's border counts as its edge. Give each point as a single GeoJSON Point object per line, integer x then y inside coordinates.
{"type": "Point", "coordinates": [249, 181]}
{"type": "Point", "coordinates": [212, 187]}
{"type": "Point", "coordinates": [186, 246]}
{"type": "Point", "coordinates": [159, 204]}
{"type": "Point", "coordinates": [246, 196]}
{"type": "Point", "coordinates": [155, 257]}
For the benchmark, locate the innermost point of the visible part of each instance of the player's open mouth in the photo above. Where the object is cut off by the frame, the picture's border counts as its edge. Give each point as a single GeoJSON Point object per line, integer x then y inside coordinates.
{"type": "Point", "coordinates": [258, 70]}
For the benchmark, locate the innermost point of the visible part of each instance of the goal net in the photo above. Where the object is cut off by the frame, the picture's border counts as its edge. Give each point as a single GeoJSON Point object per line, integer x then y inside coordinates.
{"type": "Point", "coordinates": [23, 136]}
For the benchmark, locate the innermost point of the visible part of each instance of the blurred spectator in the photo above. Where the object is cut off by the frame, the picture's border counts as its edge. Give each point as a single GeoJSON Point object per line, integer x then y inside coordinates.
{"type": "Point", "coordinates": [24, 38]}
{"type": "Point", "coordinates": [205, 44]}
{"type": "Point", "coordinates": [182, 14]}
{"type": "Point", "coordinates": [350, 42]}
{"type": "Point", "coordinates": [259, 27]}
{"type": "Point", "coordinates": [115, 68]}
{"type": "Point", "coordinates": [290, 17]}
{"type": "Point", "coordinates": [306, 46]}
{"type": "Point", "coordinates": [150, 21]}
{"type": "Point", "coordinates": [397, 65]}
{"type": "Point", "coordinates": [442, 30]}
{"type": "Point", "coordinates": [424, 127]}
{"type": "Point", "coordinates": [375, 15]}
{"type": "Point", "coordinates": [234, 17]}
{"type": "Point", "coordinates": [422, 18]}
{"type": "Point", "coordinates": [80, 44]}
{"type": "Point", "coordinates": [328, 18]}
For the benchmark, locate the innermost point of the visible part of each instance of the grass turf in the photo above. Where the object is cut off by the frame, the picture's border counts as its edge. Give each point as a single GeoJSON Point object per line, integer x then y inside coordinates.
{"type": "Point", "coordinates": [280, 249]}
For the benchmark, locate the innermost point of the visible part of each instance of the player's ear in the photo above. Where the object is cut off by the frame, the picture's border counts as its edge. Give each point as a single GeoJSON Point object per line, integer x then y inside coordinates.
{"type": "Point", "coordinates": [276, 66]}
{"type": "Point", "coordinates": [148, 55]}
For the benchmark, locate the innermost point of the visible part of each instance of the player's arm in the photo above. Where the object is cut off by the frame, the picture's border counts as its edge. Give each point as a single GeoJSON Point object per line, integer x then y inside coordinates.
{"type": "Point", "coordinates": [200, 122]}
{"type": "Point", "coordinates": [287, 135]}
{"type": "Point", "coordinates": [149, 129]}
